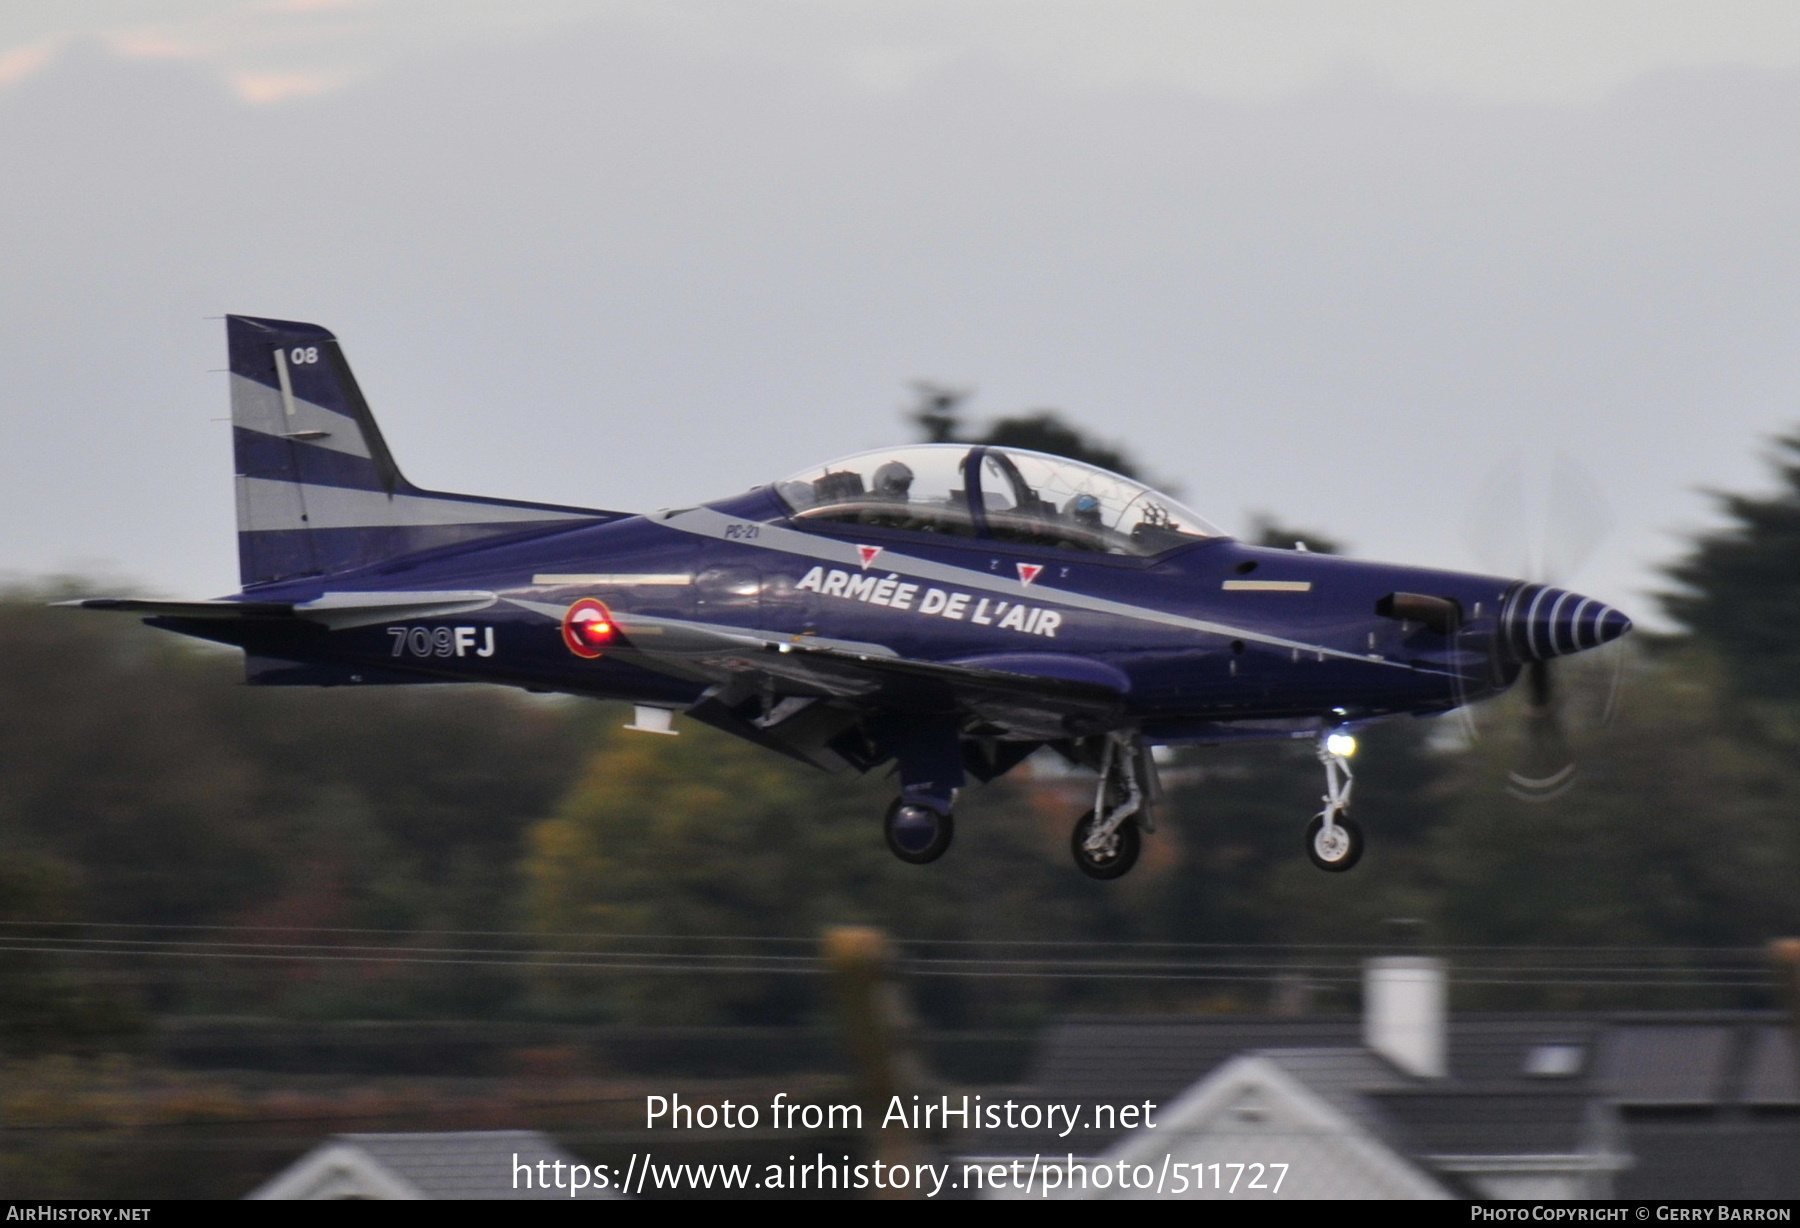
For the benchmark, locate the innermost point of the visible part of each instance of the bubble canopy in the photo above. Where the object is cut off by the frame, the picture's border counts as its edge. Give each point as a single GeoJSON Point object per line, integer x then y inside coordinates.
{"type": "Point", "coordinates": [998, 493]}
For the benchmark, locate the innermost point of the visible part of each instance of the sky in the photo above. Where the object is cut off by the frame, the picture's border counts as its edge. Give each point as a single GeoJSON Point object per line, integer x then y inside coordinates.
{"type": "Point", "coordinates": [1351, 263]}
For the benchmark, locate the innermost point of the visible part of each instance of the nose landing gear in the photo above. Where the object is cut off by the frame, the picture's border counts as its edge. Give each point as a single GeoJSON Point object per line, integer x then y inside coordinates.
{"type": "Point", "coordinates": [1334, 842]}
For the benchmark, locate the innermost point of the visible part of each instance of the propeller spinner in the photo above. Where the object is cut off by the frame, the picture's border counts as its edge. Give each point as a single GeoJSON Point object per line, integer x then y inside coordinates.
{"type": "Point", "coordinates": [1538, 624]}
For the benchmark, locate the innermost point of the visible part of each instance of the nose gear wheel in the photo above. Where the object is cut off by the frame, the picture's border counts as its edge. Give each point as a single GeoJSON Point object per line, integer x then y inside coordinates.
{"type": "Point", "coordinates": [1334, 849]}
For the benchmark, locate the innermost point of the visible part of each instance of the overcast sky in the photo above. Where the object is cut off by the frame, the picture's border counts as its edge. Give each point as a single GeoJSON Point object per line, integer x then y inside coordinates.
{"type": "Point", "coordinates": [1338, 261]}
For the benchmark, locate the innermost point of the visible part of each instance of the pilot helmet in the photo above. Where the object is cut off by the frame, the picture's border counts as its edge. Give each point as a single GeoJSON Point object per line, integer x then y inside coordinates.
{"type": "Point", "coordinates": [1085, 508]}
{"type": "Point", "coordinates": [893, 479]}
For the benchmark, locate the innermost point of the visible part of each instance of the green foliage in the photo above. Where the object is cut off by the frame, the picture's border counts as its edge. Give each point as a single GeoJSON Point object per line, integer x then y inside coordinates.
{"type": "Point", "coordinates": [1740, 589]}
{"type": "Point", "coordinates": [44, 1007]}
{"type": "Point", "coordinates": [1679, 832]}
{"type": "Point", "coordinates": [141, 782]}
{"type": "Point", "coordinates": [1045, 431]}
{"type": "Point", "coordinates": [692, 837]}
{"type": "Point", "coordinates": [938, 415]}
{"type": "Point", "coordinates": [1241, 812]}
{"type": "Point", "coordinates": [1266, 530]}
{"type": "Point", "coordinates": [704, 836]}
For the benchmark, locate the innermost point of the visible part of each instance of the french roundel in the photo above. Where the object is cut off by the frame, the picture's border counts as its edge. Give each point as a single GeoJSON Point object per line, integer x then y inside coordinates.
{"type": "Point", "coordinates": [588, 628]}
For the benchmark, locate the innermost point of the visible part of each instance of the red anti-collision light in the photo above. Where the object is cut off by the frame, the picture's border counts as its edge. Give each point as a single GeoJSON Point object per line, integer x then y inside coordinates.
{"type": "Point", "coordinates": [588, 628]}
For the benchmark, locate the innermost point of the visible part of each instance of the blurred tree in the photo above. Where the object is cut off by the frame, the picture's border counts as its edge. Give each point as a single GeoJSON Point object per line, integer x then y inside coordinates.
{"type": "Point", "coordinates": [1740, 588]}
{"type": "Point", "coordinates": [937, 410]}
{"type": "Point", "coordinates": [1679, 833]}
{"type": "Point", "coordinates": [113, 758]}
{"type": "Point", "coordinates": [1266, 530]}
{"type": "Point", "coordinates": [43, 1006]}
{"type": "Point", "coordinates": [706, 837]}
{"type": "Point", "coordinates": [1242, 810]}
{"type": "Point", "coordinates": [169, 793]}
{"type": "Point", "coordinates": [938, 415]}
{"type": "Point", "coordinates": [695, 837]}
{"type": "Point", "coordinates": [1045, 431]}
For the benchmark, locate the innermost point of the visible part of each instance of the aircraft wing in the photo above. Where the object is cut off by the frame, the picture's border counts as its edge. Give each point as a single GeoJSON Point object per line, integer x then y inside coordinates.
{"type": "Point", "coordinates": [1040, 696]}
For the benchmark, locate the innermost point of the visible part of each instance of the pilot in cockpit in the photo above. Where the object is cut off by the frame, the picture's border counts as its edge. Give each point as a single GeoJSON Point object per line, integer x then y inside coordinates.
{"type": "Point", "coordinates": [893, 482]}
{"type": "Point", "coordinates": [1084, 510]}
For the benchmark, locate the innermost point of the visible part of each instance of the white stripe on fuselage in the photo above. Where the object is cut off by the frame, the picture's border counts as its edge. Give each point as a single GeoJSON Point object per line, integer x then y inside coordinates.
{"type": "Point", "coordinates": [705, 522]}
{"type": "Point", "coordinates": [622, 579]}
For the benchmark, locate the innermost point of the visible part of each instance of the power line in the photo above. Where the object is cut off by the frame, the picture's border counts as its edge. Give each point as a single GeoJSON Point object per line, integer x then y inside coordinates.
{"type": "Point", "coordinates": [1041, 969]}
{"type": "Point", "coordinates": [532, 954]}
{"type": "Point", "coordinates": [1755, 952]}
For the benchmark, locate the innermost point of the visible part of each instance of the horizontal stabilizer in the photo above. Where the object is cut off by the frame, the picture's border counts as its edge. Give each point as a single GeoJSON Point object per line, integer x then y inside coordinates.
{"type": "Point", "coordinates": [335, 611]}
{"type": "Point", "coordinates": [184, 609]}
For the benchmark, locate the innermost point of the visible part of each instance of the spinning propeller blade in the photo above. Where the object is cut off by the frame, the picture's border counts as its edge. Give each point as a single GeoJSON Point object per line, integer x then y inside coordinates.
{"type": "Point", "coordinates": [1546, 768]}
{"type": "Point", "coordinates": [1546, 623]}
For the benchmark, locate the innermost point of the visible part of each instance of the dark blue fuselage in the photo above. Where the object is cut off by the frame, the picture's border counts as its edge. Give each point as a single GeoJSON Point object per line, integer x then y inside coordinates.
{"type": "Point", "coordinates": [1288, 635]}
{"type": "Point", "coordinates": [948, 607]}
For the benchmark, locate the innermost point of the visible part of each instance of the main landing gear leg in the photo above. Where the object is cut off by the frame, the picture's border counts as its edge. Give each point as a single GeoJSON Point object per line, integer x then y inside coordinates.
{"type": "Point", "coordinates": [1333, 840]}
{"type": "Point", "coordinates": [1107, 839]}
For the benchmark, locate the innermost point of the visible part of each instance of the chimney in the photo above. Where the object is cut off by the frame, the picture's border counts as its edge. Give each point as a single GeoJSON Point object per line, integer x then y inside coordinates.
{"type": "Point", "coordinates": [1404, 1013]}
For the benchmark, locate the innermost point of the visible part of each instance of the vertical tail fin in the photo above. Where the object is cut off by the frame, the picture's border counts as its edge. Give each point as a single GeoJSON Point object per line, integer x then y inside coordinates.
{"type": "Point", "coordinates": [317, 489]}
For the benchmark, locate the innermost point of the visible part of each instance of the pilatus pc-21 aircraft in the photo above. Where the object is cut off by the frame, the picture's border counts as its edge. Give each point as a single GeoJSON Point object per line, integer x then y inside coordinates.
{"type": "Point", "coordinates": [947, 608]}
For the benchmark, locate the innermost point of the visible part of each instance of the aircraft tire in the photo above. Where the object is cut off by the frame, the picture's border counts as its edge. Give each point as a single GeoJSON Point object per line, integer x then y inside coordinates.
{"type": "Point", "coordinates": [1346, 858]}
{"type": "Point", "coordinates": [917, 834]}
{"type": "Point", "coordinates": [1124, 855]}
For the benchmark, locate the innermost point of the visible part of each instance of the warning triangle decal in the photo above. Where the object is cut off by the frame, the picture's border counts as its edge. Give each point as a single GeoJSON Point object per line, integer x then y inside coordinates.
{"type": "Point", "coordinates": [869, 554]}
{"type": "Point", "coordinates": [1029, 572]}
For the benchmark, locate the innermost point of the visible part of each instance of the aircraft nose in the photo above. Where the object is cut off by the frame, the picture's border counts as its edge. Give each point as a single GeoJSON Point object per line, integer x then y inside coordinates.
{"type": "Point", "coordinates": [1539, 622]}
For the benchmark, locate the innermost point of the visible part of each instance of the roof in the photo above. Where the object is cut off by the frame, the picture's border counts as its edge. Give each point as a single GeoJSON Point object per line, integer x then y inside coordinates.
{"type": "Point", "coordinates": [1343, 1078]}
{"type": "Point", "coordinates": [1652, 1064]}
{"type": "Point", "coordinates": [1685, 1155]}
{"type": "Point", "coordinates": [454, 1164]}
{"type": "Point", "coordinates": [1307, 1110]}
{"type": "Point", "coordinates": [1461, 1122]}
{"type": "Point", "coordinates": [1772, 1076]}
{"type": "Point", "coordinates": [1636, 1058]}
{"type": "Point", "coordinates": [1345, 1123]}
{"type": "Point", "coordinates": [1133, 1058]}
{"type": "Point", "coordinates": [1662, 1104]}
